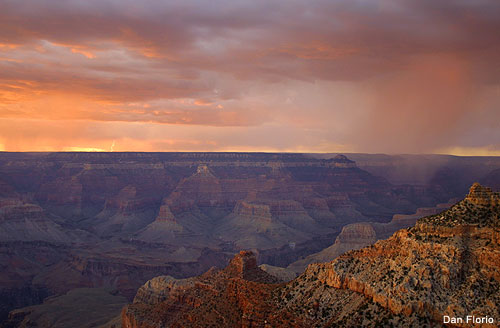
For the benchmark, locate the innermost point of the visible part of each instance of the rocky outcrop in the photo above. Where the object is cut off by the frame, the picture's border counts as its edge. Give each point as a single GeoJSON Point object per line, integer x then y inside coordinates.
{"type": "Point", "coordinates": [352, 236]}
{"type": "Point", "coordinates": [201, 189]}
{"type": "Point", "coordinates": [127, 202]}
{"type": "Point", "coordinates": [165, 214]}
{"type": "Point", "coordinates": [123, 218]}
{"type": "Point", "coordinates": [448, 264]}
{"type": "Point", "coordinates": [233, 297]}
{"type": "Point", "coordinates": [159, 289]}
{"type": "Point", "coordinates": [20, 221]}
{"type": "Point", "coordinates": [483, 196]}
{"type": "Point", "coordinates": [244, 266]}
{"type": "Point", "coordinates": [164, 228]}
{"type": "Point", "coordinates": [357, 235]}
{"type": "Point", "coordinates": [253, 226]}
{"type": "Point", "coordinates": [254, 210]}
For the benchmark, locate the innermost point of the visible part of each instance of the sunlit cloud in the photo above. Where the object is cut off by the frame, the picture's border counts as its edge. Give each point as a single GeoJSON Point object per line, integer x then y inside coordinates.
{"type": "Point", "coordinates": [391, 76]}
{"type": "Point", "coordinates": [77, 49]}
{"type": "Point", "coordinates": [90, 149]}
{"type": "Point", "coordinates": [490, 150]}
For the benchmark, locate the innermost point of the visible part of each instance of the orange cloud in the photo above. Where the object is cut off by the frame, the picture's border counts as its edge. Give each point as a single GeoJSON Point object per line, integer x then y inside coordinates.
{"type": "Point", "coordinates": [8, 46]}
{"type": "Point", "coordinates": [490, 150]}
{"type": "Point", "coordinates": [417, 77]}
{"type": "Point", "coordinates": [78, 50]}
{"type": "Point", "coordinates": [203, 102]}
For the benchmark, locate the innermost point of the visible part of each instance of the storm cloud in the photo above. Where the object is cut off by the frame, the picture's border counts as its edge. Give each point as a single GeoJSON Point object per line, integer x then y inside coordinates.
{"type": "Point", "coordinates": [373, 76]}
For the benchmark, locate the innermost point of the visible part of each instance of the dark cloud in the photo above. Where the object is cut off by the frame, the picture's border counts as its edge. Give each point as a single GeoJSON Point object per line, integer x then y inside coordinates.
{"type": "Point", "coordinates": [420, 66]}
{"type": "Point", "coordinates": [261, 39]}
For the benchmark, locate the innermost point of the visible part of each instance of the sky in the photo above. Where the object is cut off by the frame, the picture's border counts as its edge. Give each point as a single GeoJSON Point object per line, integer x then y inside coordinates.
{"type": "Point", "coordinates": [391, 76]}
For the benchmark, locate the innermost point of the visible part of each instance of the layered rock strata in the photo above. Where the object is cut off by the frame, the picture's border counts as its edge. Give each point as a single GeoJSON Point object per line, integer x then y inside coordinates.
{"type": "Point", "coordinates": [233, 297]}
{"type": "Point", "coordinates": [447, 265]}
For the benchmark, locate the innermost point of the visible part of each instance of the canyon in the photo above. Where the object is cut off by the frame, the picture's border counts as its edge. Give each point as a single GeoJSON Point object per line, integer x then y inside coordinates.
{"type": "Point", "coordinates": [113, 221]}
{"type": "Point", "coordinates": [448, 264]}
{"type": "Point", "coordinates": [358, 235]}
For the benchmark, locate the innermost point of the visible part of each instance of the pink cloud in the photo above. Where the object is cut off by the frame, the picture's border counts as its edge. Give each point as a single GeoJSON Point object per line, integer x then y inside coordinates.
{"type": "Point", "coordinates": [415, 69]}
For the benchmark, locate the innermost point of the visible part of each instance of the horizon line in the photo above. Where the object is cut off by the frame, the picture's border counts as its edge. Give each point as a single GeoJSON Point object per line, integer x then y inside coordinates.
{"type": "Point", "coordinates": [241, 152]}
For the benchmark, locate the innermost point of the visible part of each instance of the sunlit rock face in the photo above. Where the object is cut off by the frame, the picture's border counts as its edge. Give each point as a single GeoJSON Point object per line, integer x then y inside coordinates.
{"type": "Point", "coordinates": [448, 264]}
{"type": "Point", "coordinates": [357, 235]}
{"type": "Point", "coordinates": [238, 292]}
{"type": "Point", "coordinates": [483, 196]}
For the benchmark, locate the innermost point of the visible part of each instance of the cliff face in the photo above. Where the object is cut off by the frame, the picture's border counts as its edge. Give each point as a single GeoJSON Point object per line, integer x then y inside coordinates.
{"type": "Point", "coordinates": [483, 196]}
{"type": "Point", "coordinates": [204, 196]}
{"type": "Point", "coordinates": [448, 264]}
{"type": "Point", "coordinates": [237, 296]}
{"type": "Point", "coordinates": [352, 236]}
{"type": "Point", "coordinates": [123, 218]}
{"type": "Point", "coordinates": [357, 235]}
{"type": "Point", "coordinates": [24, 221]}
{"type": "Point", "coordinates": [70, 220]}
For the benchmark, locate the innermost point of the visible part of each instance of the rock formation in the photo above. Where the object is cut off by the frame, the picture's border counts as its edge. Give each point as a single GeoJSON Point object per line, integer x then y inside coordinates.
{"type": "Point", "coordinates": [115, 220]}
{"type": "Point", "coordinates": [352, 236]}
{"type": "Point", "coordinates": [233, 297]}
{"type": "Point", "coordinates": [483, 196]}
{"type": "Point", "coordinates": [118, 219]}
{"type": "Point", "coordinates": [21, 221]}
{"type": "Point", "coordinates": [357, 235]}
{"type": "Point", "coordinates": [447, 265]}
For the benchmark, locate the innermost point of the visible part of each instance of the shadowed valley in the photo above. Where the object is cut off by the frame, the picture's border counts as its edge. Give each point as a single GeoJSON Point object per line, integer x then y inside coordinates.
{"type": "Point", "coordinates": [112, 221]}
